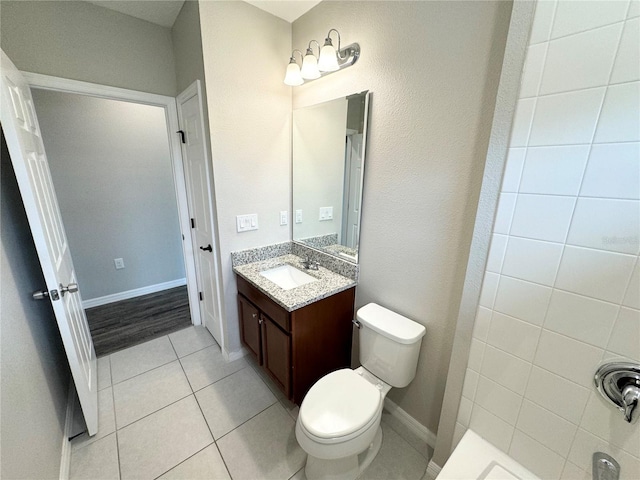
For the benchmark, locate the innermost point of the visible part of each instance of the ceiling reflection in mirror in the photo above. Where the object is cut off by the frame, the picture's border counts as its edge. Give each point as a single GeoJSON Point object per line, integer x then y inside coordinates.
{"type": "Point", "coordinates": [328, 171]}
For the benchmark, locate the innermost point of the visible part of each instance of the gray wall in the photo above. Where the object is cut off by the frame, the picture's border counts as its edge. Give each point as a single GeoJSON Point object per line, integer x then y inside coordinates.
{"type": "Point", "coordinates": [433, 70]}
{"type": "Point", "coordinates": [34, 374]}
{"type": "Point", "coordinates": [245, 54]}
{"type": "Point", "coordinates": [85, 42]}
{"type": "Point", "coordinates": [111, 168]}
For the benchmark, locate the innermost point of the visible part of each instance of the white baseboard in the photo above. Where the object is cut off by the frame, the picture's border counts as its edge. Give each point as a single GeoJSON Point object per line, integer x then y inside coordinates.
{"type": "Point", "coordinates": [137, 292]}
{"type": "Point", "coordinates": [235, 355]}
{"type": "Point", "coordinates": [433, 470]}
{"type": "Point", "coordinates": [65, 456]}
{"type": "Point", "coordinates": [419, 430]}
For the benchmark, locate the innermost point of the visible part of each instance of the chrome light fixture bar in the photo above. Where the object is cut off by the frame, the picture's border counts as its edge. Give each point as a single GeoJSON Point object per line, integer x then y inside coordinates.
{"type": "Point", "coordinates": [329, 60]}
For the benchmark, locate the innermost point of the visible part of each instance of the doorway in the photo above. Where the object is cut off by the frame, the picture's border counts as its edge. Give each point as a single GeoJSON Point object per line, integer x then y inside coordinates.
{"type": "Point", "coordinates": [174, 204]}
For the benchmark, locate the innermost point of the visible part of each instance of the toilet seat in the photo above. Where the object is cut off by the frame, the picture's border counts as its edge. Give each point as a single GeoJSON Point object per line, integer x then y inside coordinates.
{"type": "Point", "coordinates": [340, 406]}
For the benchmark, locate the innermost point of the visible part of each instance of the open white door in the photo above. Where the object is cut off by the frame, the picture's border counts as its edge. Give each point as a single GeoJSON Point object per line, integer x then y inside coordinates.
{"type": "Point", "coordinates": [199, 181]}
{"type": "Point", "coordinates": [29, 161]}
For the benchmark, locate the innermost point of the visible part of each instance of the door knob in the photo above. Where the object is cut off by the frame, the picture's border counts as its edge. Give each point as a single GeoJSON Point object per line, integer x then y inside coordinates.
{"type": "Point", "coordinates": [40, 295]}
{"type": "Point", "coordinates": [71, 288]}
{"type": "Point", "coordinates": [208, 248]}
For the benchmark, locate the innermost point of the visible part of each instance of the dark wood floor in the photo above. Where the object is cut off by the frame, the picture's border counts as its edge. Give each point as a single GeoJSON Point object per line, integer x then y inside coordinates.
{"type": "Point", "coordinates": [123, 324]}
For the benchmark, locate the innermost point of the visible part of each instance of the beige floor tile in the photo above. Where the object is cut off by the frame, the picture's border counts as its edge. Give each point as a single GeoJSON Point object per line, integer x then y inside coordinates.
{"type": "Point", "coordinates": [263, 448]}
{"type": "Point", "coordinates": [233, 400]}
{"type": "Point", "coordinates": [207, 366]}
{"type": "Point", "coordinates": [191, 339]}
{"type": "Point", "coordinates": [141, 358]}
{"type": "Point", "coordinates": [106, 421]}
{"type": "Point", "coordinates": [396, 459]}
{"type": "Point", "coordinates": [96, 461]}
{"type": "Point", "coordinates": [416, 442]}
{"type": "Point", "coordinates": [104, 372]}
{"type": "Point", "coordinates": [207, 464]}
{"type": "Point", "coordinates": [149, 392]}
{"type": "Point", "coordinates": [160, 441]}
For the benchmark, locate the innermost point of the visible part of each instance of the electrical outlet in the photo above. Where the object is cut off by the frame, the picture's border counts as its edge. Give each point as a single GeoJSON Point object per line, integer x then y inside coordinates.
{"type": "Point", "coordinates": [298, 216]}
{"type": "Point", "coordinates": [284, 217]}
{"type": "Point", "coordinates": [119, 263]}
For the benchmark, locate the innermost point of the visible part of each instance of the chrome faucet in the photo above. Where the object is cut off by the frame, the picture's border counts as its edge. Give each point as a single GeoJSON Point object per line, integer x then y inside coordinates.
{"type": "Point", "coordinates": [309, 264]}
{"type": "Point", "coordinates": [605, 467]}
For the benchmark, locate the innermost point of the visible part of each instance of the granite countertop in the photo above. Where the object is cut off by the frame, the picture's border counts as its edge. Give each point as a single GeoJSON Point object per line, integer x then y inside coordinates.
{"type": "Point", "coordinates": [328, 283]}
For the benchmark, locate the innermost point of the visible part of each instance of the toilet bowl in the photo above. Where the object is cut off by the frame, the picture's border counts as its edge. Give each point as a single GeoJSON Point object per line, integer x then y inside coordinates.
{"type": "Point", "coordinates": [339, 420]}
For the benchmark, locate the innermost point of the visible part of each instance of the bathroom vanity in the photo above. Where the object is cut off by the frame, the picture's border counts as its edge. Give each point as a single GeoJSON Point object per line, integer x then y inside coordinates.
{"type": "Point", "coordinates": [298, 334]}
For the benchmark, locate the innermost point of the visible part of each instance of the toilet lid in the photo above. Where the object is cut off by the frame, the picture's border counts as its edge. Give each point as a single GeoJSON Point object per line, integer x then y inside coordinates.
{"type": "Point", "coordinates": [339, 404]}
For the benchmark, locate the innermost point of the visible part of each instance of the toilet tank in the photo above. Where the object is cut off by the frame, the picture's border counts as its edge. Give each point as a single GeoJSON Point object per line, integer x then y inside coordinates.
{"type": "Point", "coordinates": [389, 344]}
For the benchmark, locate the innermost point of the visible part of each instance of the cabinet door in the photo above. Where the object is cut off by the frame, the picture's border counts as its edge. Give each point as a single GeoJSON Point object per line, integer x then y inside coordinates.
{"type": "Point", "coordinates": [276, 353]}
{"type": "Point", "coordinates": [250, 327]}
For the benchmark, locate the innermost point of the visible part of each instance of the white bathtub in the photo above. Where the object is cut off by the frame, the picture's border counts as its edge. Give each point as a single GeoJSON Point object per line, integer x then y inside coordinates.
{"type": "Point", "coordinates": [475, 458]}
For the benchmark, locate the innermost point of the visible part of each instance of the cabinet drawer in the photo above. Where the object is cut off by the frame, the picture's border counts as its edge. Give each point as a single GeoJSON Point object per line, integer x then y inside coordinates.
{"type": "Point", "coordinates": [274, 311]}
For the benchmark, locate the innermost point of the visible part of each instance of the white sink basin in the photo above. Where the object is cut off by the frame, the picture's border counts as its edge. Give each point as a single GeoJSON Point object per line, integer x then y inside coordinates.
{"type": "Point", "coordinates": [287, 277]}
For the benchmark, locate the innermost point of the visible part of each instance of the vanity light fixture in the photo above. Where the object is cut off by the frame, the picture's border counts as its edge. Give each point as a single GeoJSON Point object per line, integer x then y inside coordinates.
{"type": "Point", "coordinates": [310, 69]}
{"type": "Point", "coordinates": [329, 60]}
{"type": "Point", "coordinates": [293, 76]}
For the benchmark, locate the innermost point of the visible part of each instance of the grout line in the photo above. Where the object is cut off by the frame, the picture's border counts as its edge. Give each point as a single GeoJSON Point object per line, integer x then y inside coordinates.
{"type": "Point", "coordinates": [151, 413]}
{"type": "Point", "coordinates": [180, 463]}
{"type": "Point", "coordinates": [568, 195]}
{"type": "Point", "coordinates": [581, 31]}
{"type": "Point", "coordinates": [249, 419]}
{"type": "Point", "coordinates": [115, 425]}
{"type": "Point", "coordinates": [531, 368]}
{"type": "Point", "coordinates": [561, 289]}
{"type": "Point", "coordinates": [146, 371]}
{"type": "Point", "coordinates": [196, 351]}
{"type": "Point", "coordinates": [298, 471]}
{"type": "Point", "coordinates": [577, 90]}
{"type": "Point", "coordinates": [224, 462]}
{"type": "Point", "coordinates": [213, 383]}
{"type": "Point", "coordinates": [206, 422]}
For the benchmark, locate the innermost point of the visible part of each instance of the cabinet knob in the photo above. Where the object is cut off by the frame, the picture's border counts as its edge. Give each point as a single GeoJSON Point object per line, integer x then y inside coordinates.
{"type": "Point", "coordinates": [255, 315]}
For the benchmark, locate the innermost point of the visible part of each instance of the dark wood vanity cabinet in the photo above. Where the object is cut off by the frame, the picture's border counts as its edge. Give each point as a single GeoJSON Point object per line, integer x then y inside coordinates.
{"type": "Point", "coordinates": [296, 348]}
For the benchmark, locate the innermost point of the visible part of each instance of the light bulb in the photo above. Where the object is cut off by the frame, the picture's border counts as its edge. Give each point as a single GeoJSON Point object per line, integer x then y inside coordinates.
{"type": "Point", "coordinates": [310, 66]}
{"type": "Point", "coordinates": [292, 76]}
{"type": "Point", "coordinates": [328, 61]}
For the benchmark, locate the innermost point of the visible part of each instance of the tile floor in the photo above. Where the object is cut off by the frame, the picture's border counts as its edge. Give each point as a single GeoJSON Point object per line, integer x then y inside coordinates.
{"type": "Point", "coordinates": [172, 408]}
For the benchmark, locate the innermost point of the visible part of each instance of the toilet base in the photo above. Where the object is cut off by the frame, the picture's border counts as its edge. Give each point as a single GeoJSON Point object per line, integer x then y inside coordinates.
{"type": "Point", "coordinates": [347, 468]}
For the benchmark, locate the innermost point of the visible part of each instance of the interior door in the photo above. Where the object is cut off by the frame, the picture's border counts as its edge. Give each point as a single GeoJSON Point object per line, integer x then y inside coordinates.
{"type": "Point", "coordinates": [352, 194]}
{"type": "Point", "coordinates": [200, 199]}
{"type": "Point", "coordinates": [29, 161]}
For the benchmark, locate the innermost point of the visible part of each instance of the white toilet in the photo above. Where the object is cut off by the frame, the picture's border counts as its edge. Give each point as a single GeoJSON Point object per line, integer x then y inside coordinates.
{"type": "Point", "coordinates": [339, 420]}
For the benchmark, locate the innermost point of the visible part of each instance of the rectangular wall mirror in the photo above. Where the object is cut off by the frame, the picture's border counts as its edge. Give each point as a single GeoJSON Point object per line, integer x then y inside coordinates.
{"type": "Point", "coordinates": [328, 171]}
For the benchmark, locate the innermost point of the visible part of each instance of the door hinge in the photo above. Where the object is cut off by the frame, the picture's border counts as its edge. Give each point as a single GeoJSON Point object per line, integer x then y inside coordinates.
{"type": "Point", "coordinates": [201, 296]}
{"type": "Point", "coordinates": [193, 223]}
{"type": "Point", "coordinates": [181, 132]}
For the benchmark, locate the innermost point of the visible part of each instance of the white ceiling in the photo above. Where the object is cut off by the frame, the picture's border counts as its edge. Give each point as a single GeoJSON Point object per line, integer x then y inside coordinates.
{"type": "Point", "coordinates": [288, 10]}
{"type": "Point", "coordinates": [165, 12]}
{"type": "Point", "coordinates": [160, 12]}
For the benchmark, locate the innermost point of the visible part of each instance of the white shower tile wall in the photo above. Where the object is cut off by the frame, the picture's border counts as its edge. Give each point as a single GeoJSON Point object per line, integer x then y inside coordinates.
{"type": "Point", "coordinates": [561, 293]}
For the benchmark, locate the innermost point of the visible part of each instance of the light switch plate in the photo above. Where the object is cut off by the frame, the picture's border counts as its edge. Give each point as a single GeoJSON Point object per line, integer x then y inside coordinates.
{"type": "Point", "coordinates": [326, 213]}
{"type": "Point", "coordinates": [298, 216]}
{"type": "Point", "coordinates": [119, 263]}
{"type": "Point", "coordinates": [244, 223]}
